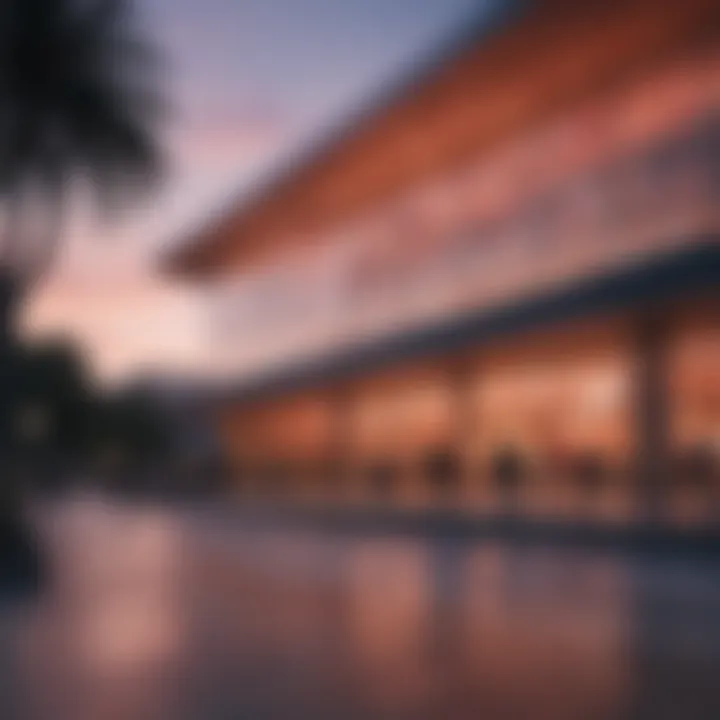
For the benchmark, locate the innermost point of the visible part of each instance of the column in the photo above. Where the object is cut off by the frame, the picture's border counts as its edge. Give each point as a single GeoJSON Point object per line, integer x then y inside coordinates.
{"type": "Point", "coordinates": [463, 420]}
{"type": "Point", "coordinates": [652, 415]}
{"type": "Point", "coordinates": [340, 445]}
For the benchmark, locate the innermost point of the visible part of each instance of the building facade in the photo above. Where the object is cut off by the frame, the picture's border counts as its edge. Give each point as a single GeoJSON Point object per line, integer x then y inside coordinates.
{"type": "Point", "coordinates": [498, 287]}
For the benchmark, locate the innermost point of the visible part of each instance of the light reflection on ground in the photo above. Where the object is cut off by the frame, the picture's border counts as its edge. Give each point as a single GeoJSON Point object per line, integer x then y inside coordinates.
{"type": "Point", "coordinates": [157, 614]}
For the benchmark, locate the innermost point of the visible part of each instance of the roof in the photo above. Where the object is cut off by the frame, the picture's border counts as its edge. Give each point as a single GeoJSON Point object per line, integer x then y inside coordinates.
{"type": "Point", "coordinates": [506, 72]}
{"type": "Point", "coordinates": [189, 250]}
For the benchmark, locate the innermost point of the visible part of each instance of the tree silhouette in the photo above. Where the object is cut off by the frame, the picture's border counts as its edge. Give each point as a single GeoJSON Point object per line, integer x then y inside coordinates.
{"type": "Point", "coordinates": [47, 415]}
{"type": "Point", "coordinates": [78, 124]}
{"type": "Point", "coordinates": [79, 111]}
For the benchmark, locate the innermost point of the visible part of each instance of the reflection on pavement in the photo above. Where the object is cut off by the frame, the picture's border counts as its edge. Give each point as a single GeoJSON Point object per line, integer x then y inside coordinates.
{"type": "Point", "coordinates": [159, 614]}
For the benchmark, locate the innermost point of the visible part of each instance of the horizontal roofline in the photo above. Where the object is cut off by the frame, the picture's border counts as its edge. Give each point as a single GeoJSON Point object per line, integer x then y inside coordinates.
{"type": "Point", "coordinates": [494, 16]}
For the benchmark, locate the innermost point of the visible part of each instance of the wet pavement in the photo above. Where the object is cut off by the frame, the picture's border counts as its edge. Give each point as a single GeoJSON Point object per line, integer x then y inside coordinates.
{"type": "Point", "coordinates": [159, 614]}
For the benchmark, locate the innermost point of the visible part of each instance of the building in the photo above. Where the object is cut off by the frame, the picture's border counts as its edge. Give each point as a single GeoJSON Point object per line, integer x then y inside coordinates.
{"type": "Point", "coordinates": [498, 286]}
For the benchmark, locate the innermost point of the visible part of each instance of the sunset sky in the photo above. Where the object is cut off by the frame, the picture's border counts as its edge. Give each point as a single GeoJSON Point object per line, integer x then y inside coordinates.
{"type": "Point", "coordinates": [249, 81]}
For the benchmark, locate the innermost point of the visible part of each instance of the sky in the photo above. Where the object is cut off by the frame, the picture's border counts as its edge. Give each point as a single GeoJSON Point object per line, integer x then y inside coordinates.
{"type": "Point", "coordinates": [248, 81]}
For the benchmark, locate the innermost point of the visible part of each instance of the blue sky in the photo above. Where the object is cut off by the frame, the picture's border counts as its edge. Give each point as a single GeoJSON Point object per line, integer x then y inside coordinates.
{"type": "Point", "coordinates": [249, 81]}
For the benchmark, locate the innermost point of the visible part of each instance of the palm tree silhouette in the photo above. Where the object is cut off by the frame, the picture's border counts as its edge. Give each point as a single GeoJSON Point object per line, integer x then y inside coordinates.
{"type": "Point", "coordinates": [78, 118]}
{"type": "Point", "coordinates": [79, 112]}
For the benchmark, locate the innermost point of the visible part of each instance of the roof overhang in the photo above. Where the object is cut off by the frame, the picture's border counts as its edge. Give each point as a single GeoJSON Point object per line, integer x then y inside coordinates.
{"type": "Point", "coordinates": [510, 71]}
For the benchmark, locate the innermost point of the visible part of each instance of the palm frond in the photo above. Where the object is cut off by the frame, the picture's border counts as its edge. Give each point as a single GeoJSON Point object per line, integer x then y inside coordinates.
{"type": "Point", "coordinates": [78, 98]}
